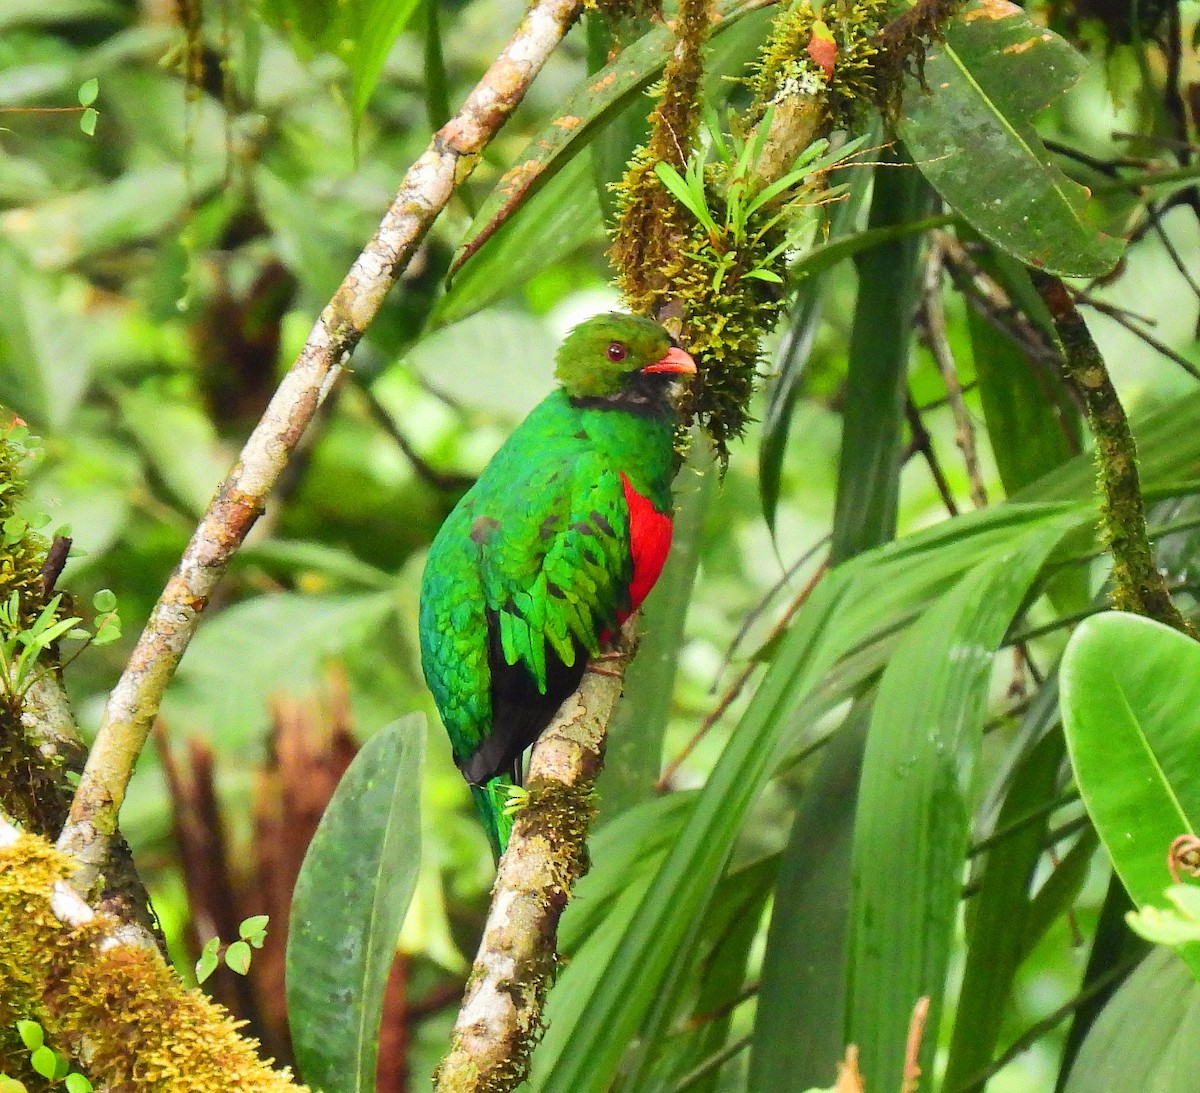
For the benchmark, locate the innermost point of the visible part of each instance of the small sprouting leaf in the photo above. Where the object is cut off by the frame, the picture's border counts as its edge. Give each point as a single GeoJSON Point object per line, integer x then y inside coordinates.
{"type": "Point", "coordinates": [62, 1066]}
{"type": "Point", "coordinates": [695, 204]}
{"type": "Point", "coordinates": [207, 964]}
{"type": "Point", "coordinates": [88, 90]}
{"type": "Point", "coordinates": [1173, 926]}
{"type": "Point", "coordinates": [11, 1085]}
{"type": "Point", "coordinates": [254, 930]}
{"type": "Point", "coordinates": [108, 629]}
{"type": "Point", "coordinates": [44, 1061]}
{"type": "Point", "coordinates": [14, 529]}
{"type": "Point", "coordinates": [87, 122]}
{"type": "Point", "coordinates": [237, 956]}
{"type": "Point", "coordinates": [38, 520]}
{"type": "Point", "coordinates": [763, 275]}
{"type": "Point", "coordinates": [105, 600]}
{"type": "Point", "coordinates": [31, 1034]}
{"type": "Point", "coordinates": [78, 1083]}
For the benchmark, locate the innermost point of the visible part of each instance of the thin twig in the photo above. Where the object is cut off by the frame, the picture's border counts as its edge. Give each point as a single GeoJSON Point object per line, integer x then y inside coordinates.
{"type": "Point", "coordinates": [447, 481]}
{"type": "Point", "coordinates": [939, 345]}
{"type": "Point", "coordinates": [922, 442]}
{"type": "Point", "coordinates": [1121, 317]}
{"type": "Point", "coordinates": [424, 192]}
{"type": "Point", "coordinates": [735, 688]}
{"type": "Point", "coordinates": [714, 1062]}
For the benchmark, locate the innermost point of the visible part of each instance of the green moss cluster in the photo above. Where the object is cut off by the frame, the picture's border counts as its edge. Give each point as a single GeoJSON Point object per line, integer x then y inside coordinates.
{"type": "Point", "coordinates": [20, 562]}
{"type": "Point", "coordinates": [144, 1031]}
{"type": "Point", "coordinates": [785, 71]}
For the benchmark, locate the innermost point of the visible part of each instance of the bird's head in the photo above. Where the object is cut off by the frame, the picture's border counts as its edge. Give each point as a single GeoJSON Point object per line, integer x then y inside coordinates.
{"type": "Point", "coordinates": [621, 359]}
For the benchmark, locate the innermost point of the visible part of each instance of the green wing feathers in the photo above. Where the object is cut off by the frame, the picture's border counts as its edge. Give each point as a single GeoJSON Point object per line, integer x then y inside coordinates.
{"type": "Point", "coordinates": [566, 586]}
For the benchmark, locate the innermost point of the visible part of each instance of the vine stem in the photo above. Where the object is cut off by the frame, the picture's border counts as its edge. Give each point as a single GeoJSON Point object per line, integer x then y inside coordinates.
{"type": "Point", "coordinates": [1138, 585]}
{"type": "Point", "coordinates": [446, 163]}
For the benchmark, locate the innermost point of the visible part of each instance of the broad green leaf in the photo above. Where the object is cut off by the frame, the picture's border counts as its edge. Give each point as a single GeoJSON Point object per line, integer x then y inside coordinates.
{"type": "Point", "coordinates": [876, 384]}
{"type": "Point", "coordinates": [223, 685]}
{"type": "Point", "coordinates": [350, 901]}
{"type": "Point", "coordinates": [916, 800]}
{"type": "Point", "coordinates": [969, 129]}
{"type": "Point", "coordinates": [1145, 1038]}
{"type": "Point", "coordinates": [1131, 711]}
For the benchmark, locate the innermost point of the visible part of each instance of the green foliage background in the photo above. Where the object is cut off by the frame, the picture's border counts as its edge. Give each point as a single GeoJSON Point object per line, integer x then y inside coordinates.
{"type": "Point", "coordinates": [158, 278]}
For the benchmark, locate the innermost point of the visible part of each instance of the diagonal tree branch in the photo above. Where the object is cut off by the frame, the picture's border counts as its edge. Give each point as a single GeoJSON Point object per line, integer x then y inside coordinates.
{"type": "Point", "coordinates": [497, 1026]}
{"type": "Point", "coordinates": [424, 192]}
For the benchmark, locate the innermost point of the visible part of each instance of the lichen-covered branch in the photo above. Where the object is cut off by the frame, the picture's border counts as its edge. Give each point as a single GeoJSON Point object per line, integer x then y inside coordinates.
{"type": "Point", "coordinates": [424, 192]}
{"type": "Point", "coordinates": [1138, 585]}
{"type": "Point", "coordinates": [105, 996]}
{"type": "Point", "coordinates": [500, 1018]}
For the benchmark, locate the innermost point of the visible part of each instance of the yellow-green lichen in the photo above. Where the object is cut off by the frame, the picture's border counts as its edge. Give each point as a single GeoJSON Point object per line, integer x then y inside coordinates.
{"type": "Point", "coordinates": [119, 1008]}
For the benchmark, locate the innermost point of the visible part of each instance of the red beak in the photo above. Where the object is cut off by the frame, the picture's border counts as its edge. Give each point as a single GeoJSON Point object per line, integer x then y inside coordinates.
{"type": "Point", "coordinates": [676, 360]}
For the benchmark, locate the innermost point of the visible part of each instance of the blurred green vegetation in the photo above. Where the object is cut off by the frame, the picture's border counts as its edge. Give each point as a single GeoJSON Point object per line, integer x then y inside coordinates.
{"type": "Point", "coordinates": [159, 277]}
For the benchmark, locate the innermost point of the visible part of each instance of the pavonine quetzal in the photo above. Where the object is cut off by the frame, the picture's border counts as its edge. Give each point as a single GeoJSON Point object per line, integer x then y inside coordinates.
{"type": "Point", "coordinates": [559, 541]}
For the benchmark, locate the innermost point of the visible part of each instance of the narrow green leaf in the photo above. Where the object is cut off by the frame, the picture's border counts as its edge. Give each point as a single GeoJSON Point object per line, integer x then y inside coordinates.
{"type": "Point", "coordinates": [351, 898]}
{"type": "Point", "coordinates": [998, 913]}
{"type": "Point", "coordinates": [593, 106]}
{"type": "Point", "coordinates": [968, 126]}
{"type": "Point", "coordinates": [437, 88]}
{"type": "Point", "coordinates": [378, 24]}
{"type": "Point", "coordinates": [1145, 1038]}
{"type": "Point", "coordinates": [873, 423]}
{"type": "Point", "coordinates": [916, 799]}
{"type": "Point", "coordinates": [804, 966]}
{"type": "Point", "coordinates": [1131, 711]}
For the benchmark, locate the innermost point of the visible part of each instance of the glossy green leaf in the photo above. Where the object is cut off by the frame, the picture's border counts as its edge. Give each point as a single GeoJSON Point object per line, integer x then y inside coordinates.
{"type": "Point", "coordinates": [1131, 711]}
{"type": "Point", "coordinates": [350, 901]}
{"type": "Point", "coordinates": [916, 800]}
{"type": "Point", "coordinates": [970, 132]}
{"type": "Point", "coordinates": [1145, 1038]}
{"type": "Point", "coordinates": [31, 1033]}
{"type": "Point", "coordinates": [379, 25]}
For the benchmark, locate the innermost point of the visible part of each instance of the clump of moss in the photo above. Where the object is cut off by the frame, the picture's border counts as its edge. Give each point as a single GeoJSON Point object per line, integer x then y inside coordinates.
{"type": "Point", "coordinates": [786, 70]}
{"type": "Point", "coordinates": [22, 550]}
{"type": "Point", "coordinates": [122, 1007]}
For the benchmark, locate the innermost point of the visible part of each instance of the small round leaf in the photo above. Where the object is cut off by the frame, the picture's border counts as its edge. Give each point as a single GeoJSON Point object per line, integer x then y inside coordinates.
{"type": "Point", "coordinates": [78, 1083]}
{"type": "Point", "coordinates": [105, 600]}
{"type": "Point", "coordinates": [88, 90]}
{"type": "Point", "coordinates": [237, 956]}
{"type": "Point", "coordinates": [44, 1062]}
{"type": "Point", "coordinates": [31, 1034]}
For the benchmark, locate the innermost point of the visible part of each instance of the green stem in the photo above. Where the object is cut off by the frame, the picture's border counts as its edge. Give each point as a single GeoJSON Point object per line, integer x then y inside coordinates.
{"type": "Point", "coordinates": [1138, 586]}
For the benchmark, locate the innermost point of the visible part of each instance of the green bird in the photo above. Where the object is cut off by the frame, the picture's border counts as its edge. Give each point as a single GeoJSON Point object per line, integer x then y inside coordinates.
{"type": "Point", "coordinates": [555, 545]}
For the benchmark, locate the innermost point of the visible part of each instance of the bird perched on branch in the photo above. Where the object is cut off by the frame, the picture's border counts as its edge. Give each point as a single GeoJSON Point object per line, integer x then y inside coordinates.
{"type": "Point", "coordinates": [555, 545]}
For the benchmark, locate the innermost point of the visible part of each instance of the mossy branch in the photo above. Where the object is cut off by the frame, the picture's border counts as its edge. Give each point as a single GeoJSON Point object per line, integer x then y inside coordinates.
{"type": "Point", "coordinates": [501, 1016]}
{"type": "Point", "coordinates": [109, 999]}
{"type": "Point", "coordinates": [424, 192]}
{"type": "Point", "coordinates": [1138, 585]}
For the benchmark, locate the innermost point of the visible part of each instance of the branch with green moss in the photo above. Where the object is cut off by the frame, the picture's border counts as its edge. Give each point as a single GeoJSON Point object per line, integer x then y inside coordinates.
{"type": "Point", "coordinates": [501, 1014]}
{"type": "Point", "coordinates": [1138, 585]}
{"type": "Point", "coordinates": [110, 1000]}
{"type": "Point", "coordinates": [424, 192]}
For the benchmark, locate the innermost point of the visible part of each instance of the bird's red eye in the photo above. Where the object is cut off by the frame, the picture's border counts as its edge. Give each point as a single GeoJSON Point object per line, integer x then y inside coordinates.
{"type": "Point", "coordinates": [616, 351]}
